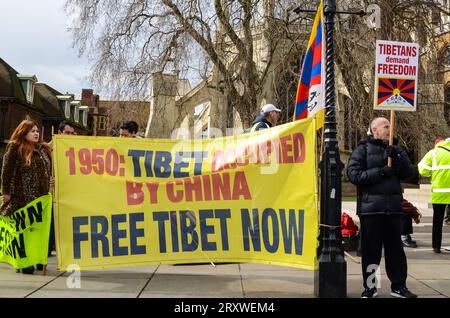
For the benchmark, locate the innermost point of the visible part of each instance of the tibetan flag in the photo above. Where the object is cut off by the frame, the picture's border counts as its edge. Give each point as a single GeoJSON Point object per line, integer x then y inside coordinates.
{"type": "Point", "coordinates": [396, 92]}
{"type": "Point", "coordinates": [310, 99]}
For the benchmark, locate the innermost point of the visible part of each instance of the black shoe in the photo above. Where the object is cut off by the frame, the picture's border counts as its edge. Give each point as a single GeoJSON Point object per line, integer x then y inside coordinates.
{"type": "Point", "coordinates": [369, 293]}
{"type": "Point", "coordinates": [39, 267]}
{"type": "Point", "coordinates": [402, 293]}
{"type": "Point", "coordinates": [436, 250]}
{"type": "Point", "coordinates": [27, 270]}
{"type": "Point", "coordinates": [411, 240]}
{"type": "Point", "coordinates": [409, 243]}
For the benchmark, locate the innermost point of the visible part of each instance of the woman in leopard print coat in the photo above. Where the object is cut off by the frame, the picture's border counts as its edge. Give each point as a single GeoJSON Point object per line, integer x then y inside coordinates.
{"type": "Point", "coordinates": [26, 171]}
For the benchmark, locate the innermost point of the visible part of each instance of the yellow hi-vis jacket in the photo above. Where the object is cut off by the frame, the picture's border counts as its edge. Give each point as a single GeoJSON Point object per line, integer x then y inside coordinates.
{"type": "Point", "coordinates": [436, 163]}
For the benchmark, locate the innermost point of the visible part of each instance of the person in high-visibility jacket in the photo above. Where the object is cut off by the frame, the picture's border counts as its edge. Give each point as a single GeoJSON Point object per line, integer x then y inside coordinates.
{"type": "Point", "coordinates": [436, 164]}
{"type": "Point", "coordinates": [267, 118]}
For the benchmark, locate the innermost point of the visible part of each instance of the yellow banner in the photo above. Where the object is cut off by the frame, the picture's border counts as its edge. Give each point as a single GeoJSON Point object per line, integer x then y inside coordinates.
{"type": "Point", "coordinates": [131, 202]}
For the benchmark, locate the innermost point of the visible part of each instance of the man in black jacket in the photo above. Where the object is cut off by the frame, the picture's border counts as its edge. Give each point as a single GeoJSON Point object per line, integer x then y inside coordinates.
{"type": "Point", "coordinates": [379, 206]}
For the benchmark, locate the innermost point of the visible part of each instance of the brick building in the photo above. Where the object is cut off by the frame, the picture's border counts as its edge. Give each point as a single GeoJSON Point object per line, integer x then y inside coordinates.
{"type": "Point", "coordinates": [21, 96]}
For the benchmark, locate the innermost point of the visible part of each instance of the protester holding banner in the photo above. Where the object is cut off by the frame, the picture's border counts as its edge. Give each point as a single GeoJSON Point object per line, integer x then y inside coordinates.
{"type": "Point", "coordinates": [267, 118]}
{"type": "Point", "coordinates": [136, 128]}
{"type": "Point", "coordinates": [379, 206]}
{"type": "Point", "coordinates": [129, 129]}
{"type": "Point", "coordinates": [66, 128]}
{"type": "Point", "coordinates": [26, 171]}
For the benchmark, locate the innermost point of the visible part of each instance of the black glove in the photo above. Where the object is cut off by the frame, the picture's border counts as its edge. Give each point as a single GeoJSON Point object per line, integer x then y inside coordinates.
{"type": "Point", "coordinates": [393, 151]}
{"type": "Point", "coordinates": [387, 172]}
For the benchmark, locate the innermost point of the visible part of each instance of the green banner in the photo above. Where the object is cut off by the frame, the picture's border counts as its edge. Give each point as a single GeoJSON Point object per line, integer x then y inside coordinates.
{"type": "Point", "coordinates": [24, 234]}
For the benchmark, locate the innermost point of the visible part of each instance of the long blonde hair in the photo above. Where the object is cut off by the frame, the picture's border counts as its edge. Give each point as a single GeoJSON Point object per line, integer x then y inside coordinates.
{"type": "Point", "coordinates": [26, 148]}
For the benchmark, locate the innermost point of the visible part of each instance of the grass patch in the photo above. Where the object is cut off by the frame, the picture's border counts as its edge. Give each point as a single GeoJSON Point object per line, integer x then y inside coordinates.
{"type": "Point", "coordinates": [348, 199]}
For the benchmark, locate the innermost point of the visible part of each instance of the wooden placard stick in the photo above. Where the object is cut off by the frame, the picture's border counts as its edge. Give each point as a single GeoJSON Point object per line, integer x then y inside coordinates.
{"type": "Point", "coordinates": [44, 270]}
{"type": "Point", "coordinates": [391, 136]}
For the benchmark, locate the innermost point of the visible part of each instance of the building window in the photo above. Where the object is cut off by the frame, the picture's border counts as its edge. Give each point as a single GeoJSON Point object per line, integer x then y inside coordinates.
{"type": "Point", "coordinates": [72, 111]}
{"type": "Point", "coordinates": [445, 57]}
{"type": "Point", "coordinates": [436, 17]}
{"type": "Point", "coordinates": [27, 82]}
{"type": "Point", "coordinates": [67, 110]}
{"type": "Point", "coordinates": [76, 115]}
{"type": "Point", "coordinates": [101, 123]}
{"type": "Point", "coordinates": [83, 113]}
{"type": "Point", "coordinates": [446, 18]}
{"type": "Point", "coordinates": [24, 84]}
{"type": "Point", "coordinates": [64, 104]}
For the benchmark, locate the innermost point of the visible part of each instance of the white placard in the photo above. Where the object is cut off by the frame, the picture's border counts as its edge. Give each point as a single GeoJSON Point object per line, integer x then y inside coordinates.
{"type": "Point", "coordinates": [396, 73]}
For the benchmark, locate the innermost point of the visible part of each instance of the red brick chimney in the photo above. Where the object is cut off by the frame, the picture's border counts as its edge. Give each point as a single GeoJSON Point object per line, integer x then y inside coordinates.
{"type": "Point", "coordinates": [87, 97]}
{"type": "Point", "coordinates": [96, 100]}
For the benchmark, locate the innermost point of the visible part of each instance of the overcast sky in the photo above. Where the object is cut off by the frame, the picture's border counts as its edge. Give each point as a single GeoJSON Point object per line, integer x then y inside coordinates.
{"type": "Point", "coordinates": [34, 41]}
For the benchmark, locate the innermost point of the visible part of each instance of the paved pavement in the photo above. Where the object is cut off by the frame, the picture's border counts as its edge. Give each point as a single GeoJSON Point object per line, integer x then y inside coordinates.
{"type": "Point", "coordinates": [428, 276]}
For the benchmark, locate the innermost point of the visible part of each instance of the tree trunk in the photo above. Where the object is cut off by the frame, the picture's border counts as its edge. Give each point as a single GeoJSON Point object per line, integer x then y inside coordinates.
{"type": "Point", "coordinates": [246, 119]}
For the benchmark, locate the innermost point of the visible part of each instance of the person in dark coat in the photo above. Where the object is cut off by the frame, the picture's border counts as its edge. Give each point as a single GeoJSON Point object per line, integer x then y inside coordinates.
{"type": "Point", "coordinates": [65, 128]}
{"type": "Point", "coordinates": [379, 206]}
{"type": "Point", "coordinates": [411, 213]}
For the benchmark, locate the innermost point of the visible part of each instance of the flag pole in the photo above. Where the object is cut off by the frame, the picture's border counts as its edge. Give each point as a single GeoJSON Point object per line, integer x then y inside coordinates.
{"type": "Point", "coordinates": [331, 278]}
{"type": "Point", "coordinates": [52, 190]}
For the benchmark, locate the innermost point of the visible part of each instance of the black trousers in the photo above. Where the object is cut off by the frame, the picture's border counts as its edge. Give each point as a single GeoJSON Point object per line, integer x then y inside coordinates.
{"type": "Point", "coordinates": [51, 238]}
{"type": "Point", "coordinates": [407, 226]}
{"type": "Point", "coordinates": [378, 231]}
{"type": "Point", "coordinates": [438, 218]}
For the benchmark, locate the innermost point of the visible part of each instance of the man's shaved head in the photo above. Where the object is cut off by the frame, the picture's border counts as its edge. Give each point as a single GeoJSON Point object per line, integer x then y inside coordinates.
{"type": "Point", "coordinates": [380, 128]}
{"type": "Point", "coordinates": [377, 121]}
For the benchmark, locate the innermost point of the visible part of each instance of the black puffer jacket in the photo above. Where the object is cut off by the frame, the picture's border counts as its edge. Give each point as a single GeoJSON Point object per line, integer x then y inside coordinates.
{"type": "Point", "coordinates": [376, 193]}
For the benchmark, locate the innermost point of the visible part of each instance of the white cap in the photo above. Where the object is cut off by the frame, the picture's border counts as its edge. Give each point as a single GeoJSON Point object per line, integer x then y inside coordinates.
{"type": "Point", "coordinates": [269, 108]}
